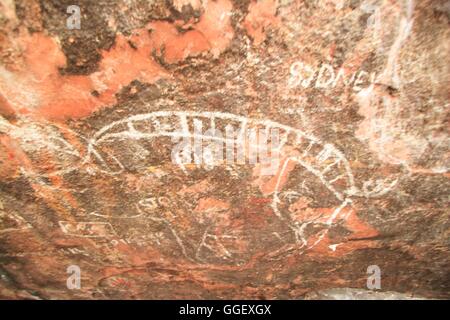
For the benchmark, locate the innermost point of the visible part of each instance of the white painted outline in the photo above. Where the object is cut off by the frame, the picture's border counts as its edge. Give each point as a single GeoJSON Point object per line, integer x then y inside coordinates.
{"type": "Point", "coordinates": [327, 151]}
{"type": "Point", "coordinates": [244, 122]}
{"type": "Point", "coordinates": [318, 166]}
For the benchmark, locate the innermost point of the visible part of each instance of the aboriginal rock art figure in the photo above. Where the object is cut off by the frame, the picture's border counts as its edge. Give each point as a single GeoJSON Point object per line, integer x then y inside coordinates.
{"type": "Point", "coordinates": [189, 213]}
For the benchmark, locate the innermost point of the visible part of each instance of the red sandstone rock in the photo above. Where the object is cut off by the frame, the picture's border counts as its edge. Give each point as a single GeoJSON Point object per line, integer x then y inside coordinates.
{"type": "Point", "coordinates": [359, 88]}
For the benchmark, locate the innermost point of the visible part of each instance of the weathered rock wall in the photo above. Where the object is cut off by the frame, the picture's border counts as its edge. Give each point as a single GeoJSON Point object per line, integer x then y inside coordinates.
{"type": "Point", "coordinates": [357, 90]}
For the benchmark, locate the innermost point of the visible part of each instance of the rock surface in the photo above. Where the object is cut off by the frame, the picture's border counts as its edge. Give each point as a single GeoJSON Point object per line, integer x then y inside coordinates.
{"type": "Point", "coordinates": [357, 89]}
